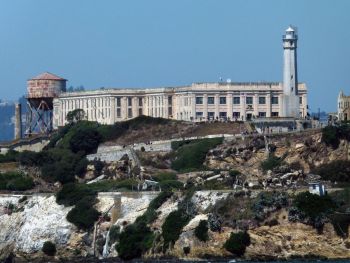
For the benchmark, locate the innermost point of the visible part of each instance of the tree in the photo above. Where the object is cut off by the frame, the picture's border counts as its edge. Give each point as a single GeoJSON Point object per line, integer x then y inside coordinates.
{"type": "Point", "coordinates": [237, 243]}
{"type": "Point", "coordinates": [76, 116]}
{"type": "Point", "coordinates": [201, 231]}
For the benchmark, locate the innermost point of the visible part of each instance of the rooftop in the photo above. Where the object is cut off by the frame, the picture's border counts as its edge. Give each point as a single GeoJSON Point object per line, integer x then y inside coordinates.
{"type": "Point", "coordinates": [47, 76]}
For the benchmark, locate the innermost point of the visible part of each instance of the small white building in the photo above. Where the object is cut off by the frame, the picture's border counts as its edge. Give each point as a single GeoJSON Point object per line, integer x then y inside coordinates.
{"type": "Point", "coordinates": [317, 188]}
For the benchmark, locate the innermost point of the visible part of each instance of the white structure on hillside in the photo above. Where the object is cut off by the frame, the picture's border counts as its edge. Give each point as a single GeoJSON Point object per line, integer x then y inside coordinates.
{"type": "Point", "coordinates": [290, 74]}
{"type": "Point", "coordinates": [196, 102]}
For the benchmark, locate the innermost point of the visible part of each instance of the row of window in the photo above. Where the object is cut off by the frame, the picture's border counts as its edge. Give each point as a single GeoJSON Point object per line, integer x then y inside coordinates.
{"type": "Point", "coordinates": [140, 102]}
{"type": "Point", "coordinates": [236, 100]}
{"type": "Point", "coordinates": [235, 114]}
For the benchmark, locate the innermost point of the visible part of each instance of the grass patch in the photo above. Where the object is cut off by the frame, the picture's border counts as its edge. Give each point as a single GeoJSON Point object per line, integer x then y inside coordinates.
{"type": "Point", "coordinates": [190, 155]}
{"type": "Point", "coordinates": [15, 181]}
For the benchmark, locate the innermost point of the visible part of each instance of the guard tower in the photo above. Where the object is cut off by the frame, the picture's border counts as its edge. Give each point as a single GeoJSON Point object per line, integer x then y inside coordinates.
{"type": "Point", "coordinates": [41, 92]}
{"type": "Point", "coordinates": [290, 107]}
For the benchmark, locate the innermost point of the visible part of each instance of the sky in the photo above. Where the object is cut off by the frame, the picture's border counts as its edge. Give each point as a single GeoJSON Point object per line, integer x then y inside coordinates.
{"type": "Point", "coordinates": [157, 43]}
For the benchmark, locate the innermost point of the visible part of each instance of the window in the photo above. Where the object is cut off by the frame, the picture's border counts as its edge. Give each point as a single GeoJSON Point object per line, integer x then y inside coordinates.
{"type": "Point", "coordinates": [249, 100]}
{"type": "Point", "coordinates": [129, 113]}
{"type": "Point", "coordinates": [140, 102]}
{"type": "Point", "coordinates": [223, 114]}
{"type": "Point", "coordinates": [211, 115]}
{"type": "Point", "coordinates": [129, 102]}
{"type": "Point", "coordinates": [211, 100]}
{"type": "Point", "coordinates": [301, 100]}
{"type": "Point", "coordinates": [199, 115]}
{"type": "Point", "coordinates": [222, 100]}
{"type": "Point", "coordinates": [140, 111]}
{"type": "Point", "coordinates": [199, 100]}
{"type": "Point", "coordinates": [262, 100]}
{"type": "Point", "coordinates": [170, 111]}
{"type": "Point", "coordinates": [236, 100]}
{"type": "Point", "coordinates": [118, 102]}
{"type": "Point", "coordinates": [170, 100]}
{"type": "Point", "coordinates": [274, 114]}
{"type": "Point", "coordinates": [236, 114]}
{"type": "Point", "coordinates": [262, 114]}
{"type": "Point", "coordinates": [274, 100]}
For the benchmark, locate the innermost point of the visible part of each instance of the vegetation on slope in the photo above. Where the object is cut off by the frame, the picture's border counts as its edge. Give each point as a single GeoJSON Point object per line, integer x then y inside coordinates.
{"type": "Point", "coordinates": [190, 155]}
{"type": "Point", "coordinates": [15, 181]}
{"type": "Point", "coordinates": [137, 238]}
{"type": "Point", "coordinates": [331, 135]}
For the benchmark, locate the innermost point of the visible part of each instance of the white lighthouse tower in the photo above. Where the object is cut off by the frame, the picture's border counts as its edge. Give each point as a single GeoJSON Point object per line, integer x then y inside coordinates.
{"type": "Point", "coordinates": [290, 106]}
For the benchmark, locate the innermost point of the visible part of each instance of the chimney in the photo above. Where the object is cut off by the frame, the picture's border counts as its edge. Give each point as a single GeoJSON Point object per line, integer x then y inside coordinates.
{"type": "Point", "coordinates": [18, 121]}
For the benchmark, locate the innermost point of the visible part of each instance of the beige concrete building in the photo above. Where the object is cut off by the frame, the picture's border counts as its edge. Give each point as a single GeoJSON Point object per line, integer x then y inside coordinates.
{"type": "Point", "coordinates": [198, 102]}
{"type": "Point", "coordinates": [343, 107]}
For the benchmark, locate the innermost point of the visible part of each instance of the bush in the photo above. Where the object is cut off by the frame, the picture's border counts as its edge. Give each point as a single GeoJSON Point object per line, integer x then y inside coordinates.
{"type": "Point", "coordinates": [85, 139]}
{"type": "Point", "coordinates": [201, 231]}
{"type": "Point", "coordinates": [114, 233]}
{"type": "Point", "coordinates": [335, 171]}
{"type": "Point", "coordinates": [84, 215]}
{"type": "Point", "coordinates": [271, 162]}
{"type": "Point", "coordinates": [268, 201]}
{"type": "Point", "coordinates": [190, 155]}
{"type": "Point", "coordinates": [331, 135]}
{"type": "Point", "coordinates": [165, 176]}
{"type": "Point", "coordinates": [134, 240]}
{"type": "Point", "coordinates": [171, 185]}
{"type": "Point", "coordinates": [172, 226]}
{"type": "Point", "coordinates": [237, 243]}
{"type": "Point", "coordinates": [49, 248]}
{"type": "Point", "coordinates": [15, 181]}
{"type": "Point", "coordinates": [29, 158]}
{"type": "Point", "coordinates": [71, 193]}
{"type": "Point", "coordinates": [10, 156]}
{"type": "Point", "coordinates": [311, 209]}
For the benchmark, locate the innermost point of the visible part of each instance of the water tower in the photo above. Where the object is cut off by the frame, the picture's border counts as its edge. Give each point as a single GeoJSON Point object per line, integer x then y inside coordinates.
{"type": "Point", "coordinates": [41, 92]}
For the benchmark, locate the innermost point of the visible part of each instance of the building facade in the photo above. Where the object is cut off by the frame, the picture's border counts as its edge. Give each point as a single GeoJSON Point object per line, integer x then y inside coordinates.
{"type": "Point", "coordinates": [343, 107]}
{"type": "Point", "coordinates": [198, 102]}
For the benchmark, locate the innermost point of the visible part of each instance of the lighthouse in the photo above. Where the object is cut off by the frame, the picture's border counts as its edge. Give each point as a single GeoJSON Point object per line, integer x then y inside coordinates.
{"type": "Point", "coordinates": [290, 107]}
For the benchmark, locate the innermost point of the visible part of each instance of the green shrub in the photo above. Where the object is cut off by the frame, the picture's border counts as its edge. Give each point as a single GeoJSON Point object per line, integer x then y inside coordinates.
{"type": "Point", "coordinates": [84, 215]}
{"type": "Point", "coordinates": [314, 206]}
{"type": "Point", "coordinates": [15, 181]}
{"type": "Point", "coordinates": [86, 140]}
{"type": "Point", "coordinates": [72, 193]}
{"type": "Point", "coordinates": [168, 185]}
{"type": "Point", "coordinates": [138, 238]}
{"type": "Point", "coordinates": [335, 171]}
{"type": "Point", "coordinates": [150, 215]}
{"type": "Point", "coordinates": [114, 233]}
{"type": "Point", "coordinates": [190, 155]}
{"type": "Point", "coordinates": [271, 162]}
{"type": "Point", "coordinates": [165, 176]}
{"type": "Point", "coordinates": [49, 248]}
{"type": "Point", "coordinates": [234, 173]}
{"type": "Point", "coordinates": [173, 225]}
{"type": "Point", "coordinates": [237, 243]}
{"type": "Point", "coordinates": [29, 158]}
{"type": "Point", "coordinates": [201, 231]}
{"type": "Point", "coordinates": [134, 240]}
{"type": "Point", "coordinates": [10, 156]}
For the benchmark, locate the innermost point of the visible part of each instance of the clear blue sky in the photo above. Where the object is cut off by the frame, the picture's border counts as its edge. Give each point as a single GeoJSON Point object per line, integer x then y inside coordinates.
{"type": "Point", "coordinates": [153, 43]}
